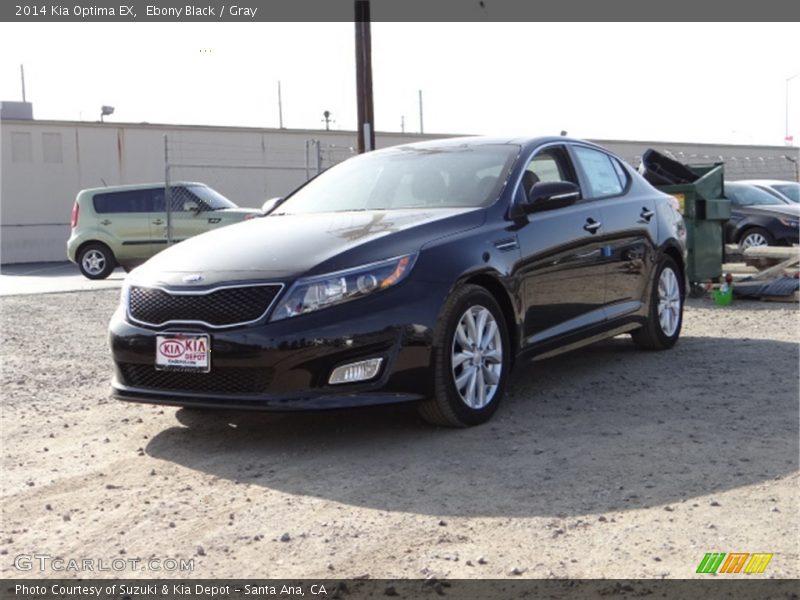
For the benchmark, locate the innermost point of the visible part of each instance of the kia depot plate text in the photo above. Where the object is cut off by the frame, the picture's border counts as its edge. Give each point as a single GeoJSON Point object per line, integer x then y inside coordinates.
{"type": "Point", "coordinates": [183, 352]}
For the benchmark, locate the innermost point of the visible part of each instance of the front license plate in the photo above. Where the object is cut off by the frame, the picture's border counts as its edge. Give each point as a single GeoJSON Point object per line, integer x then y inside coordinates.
{"type": "Point", "coordinates": [183, 352]}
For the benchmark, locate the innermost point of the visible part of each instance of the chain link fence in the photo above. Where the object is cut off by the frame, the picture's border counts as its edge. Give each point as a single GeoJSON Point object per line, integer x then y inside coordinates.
{"type": "Point", "coordinates": [249, 173]}
{"type": "Point", "coordinates": [737, 166]}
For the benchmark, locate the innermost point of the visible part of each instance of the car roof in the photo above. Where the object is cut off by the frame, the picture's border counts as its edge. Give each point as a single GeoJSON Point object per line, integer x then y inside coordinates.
{"type": "Point", "coordinates": [479, 140]}
{"type": "Point", "coordinates": [138, 186]}
{"type": "Point", "coordinates": [766, 181]}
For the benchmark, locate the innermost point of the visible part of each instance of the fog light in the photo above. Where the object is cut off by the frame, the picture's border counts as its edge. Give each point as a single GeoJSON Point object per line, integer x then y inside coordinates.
{"type": "Point", "coordinates": [357, 371]}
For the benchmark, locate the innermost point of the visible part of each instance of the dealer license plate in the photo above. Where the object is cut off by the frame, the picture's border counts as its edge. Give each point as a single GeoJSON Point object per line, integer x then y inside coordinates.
{"type": "Point", "coordinates": [183, 352]}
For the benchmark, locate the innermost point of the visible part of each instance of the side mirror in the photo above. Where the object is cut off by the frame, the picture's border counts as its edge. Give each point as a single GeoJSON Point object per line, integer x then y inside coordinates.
{"type": "Point", "coordinates": [191, 205]}
{"type": "Point", "coordinates": [270, 205]}
{"type": "Point", "coordinates": [548, 195]}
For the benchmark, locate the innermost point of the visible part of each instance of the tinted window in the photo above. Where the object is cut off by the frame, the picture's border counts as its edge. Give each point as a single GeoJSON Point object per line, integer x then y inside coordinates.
{"type": "Point", "coordinates": [621, 172]}
{"type": "Point", "coordinates": [749, 195]}
{"type": "Point", "coordinates": [601, 172]}
{"type": "Point", "coordinates": [790, 190]}
{"type": "Point", "coordinates": [130, 201]}
{"type": "Point", "coordinates": [408, 177]}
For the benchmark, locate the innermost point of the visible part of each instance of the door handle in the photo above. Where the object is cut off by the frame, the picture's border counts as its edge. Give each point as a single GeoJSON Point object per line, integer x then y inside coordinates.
{"type": "Point", "coordinates": [158, 222]}
{"type": "Point", "coordinates": [105, 222]}
{"type": "Point", "coordinates": [646, 214]}
{"type": "Point", "coordinates": [591, 225]}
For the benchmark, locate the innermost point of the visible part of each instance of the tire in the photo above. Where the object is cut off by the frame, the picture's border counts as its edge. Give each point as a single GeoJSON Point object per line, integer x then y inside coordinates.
{"type": "Point", "coordinates": [474, 403]}
{"type": "Point", "coordinates": [756, 236]}
{"type": "Point", "coordinates": [656, 334]}
{"type": "Point", "coordinates": [96, 261]}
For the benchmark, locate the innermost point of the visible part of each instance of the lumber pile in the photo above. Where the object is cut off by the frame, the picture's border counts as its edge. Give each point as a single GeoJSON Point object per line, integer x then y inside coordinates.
{"type": "Point", "coordinates": [766, 272]}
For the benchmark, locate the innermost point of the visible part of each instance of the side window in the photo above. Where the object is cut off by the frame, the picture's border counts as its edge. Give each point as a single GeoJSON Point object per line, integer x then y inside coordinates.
{"type": "Point", "coordinates": [182, 199]}
{"type": "Point", "coordinates": [602, 173]}
{"type": "Point", "coordinates": [132, 201]}
{"type": "Point", "coordinates": [157, 197]}
{"type": "Point", "coordinates": [621, 172]}
{"type": "Point", "coordinates": [550, 164]}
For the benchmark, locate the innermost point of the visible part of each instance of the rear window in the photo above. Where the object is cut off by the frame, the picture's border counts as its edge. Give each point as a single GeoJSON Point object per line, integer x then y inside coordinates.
{"type": "Point", "coordinates": [750, 195]}
{"type": "Point", "coordinates": [790, 190]}
{"type": "Point", "coordinates": [129, 201]}
{"type": "Point", "coordinates": [604, 176]}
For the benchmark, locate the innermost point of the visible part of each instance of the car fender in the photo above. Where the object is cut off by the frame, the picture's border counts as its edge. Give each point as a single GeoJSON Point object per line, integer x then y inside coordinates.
{"type": "Point", "coordinates": [89, 235]}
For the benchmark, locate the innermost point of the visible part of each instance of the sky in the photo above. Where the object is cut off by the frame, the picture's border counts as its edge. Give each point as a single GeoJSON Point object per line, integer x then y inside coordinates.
{"type": "Point", "coordinates": [678, 82]}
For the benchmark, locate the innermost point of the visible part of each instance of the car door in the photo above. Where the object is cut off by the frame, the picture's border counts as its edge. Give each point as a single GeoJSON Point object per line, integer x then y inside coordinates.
{"type": "Point", "coordinates": [124, 217]}
{"type": "Point", "coordinates": [629, 228]}
{"type": "Point", "coordinates": [562, 270]}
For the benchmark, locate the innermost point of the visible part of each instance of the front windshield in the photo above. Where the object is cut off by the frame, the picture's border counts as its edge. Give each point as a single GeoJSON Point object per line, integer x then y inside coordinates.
{"type": "Point", "coordinates": [407, 178]}
{"type": "Point", "coordinates": [212, 198]}
{"type": "Point", "coordinates": [748, 195]}
{"type": "Point", "coordinates": [790, 190]}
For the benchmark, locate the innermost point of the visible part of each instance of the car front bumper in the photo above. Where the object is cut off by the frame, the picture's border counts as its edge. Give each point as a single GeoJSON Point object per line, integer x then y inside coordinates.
{"type": "Point", "coordinates": [285, 365]}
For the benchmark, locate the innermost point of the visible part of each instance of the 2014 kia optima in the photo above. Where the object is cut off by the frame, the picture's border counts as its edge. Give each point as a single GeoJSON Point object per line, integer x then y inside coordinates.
{"type": "Point", "coordinates": [418, 273]}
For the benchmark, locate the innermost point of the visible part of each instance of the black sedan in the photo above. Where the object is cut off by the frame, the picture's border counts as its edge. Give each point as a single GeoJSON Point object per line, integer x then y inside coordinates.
{"type": "Point", "coordinates": [759, 218]}
{"type": "Point", "coordinates": [418, 273]}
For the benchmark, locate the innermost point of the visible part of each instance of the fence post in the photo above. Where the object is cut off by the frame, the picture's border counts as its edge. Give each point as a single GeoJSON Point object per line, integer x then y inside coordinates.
{"type": "Point", "coordinates": [307, 173]}
{"type": "Point", "coordinates": [167, 192]}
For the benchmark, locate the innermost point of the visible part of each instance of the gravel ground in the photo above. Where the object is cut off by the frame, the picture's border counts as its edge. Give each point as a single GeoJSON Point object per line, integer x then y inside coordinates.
{"type": "Point", "coordinates": [608, 462]}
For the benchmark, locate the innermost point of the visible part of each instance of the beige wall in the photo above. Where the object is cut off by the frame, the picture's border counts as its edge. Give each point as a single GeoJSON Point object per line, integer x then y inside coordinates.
{"type": "Point", "coordinates": [45, 164]}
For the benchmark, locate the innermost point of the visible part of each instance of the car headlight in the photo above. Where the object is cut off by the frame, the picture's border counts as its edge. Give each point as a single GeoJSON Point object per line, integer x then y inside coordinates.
{"type": "Point", "coordinates": [790, 222]}
{"type": "Point", "coordinates": [321, 291]}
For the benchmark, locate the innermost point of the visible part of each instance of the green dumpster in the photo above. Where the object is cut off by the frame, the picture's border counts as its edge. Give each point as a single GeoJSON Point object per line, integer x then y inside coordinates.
{"type": "Point", "coordinates": [701, 197]}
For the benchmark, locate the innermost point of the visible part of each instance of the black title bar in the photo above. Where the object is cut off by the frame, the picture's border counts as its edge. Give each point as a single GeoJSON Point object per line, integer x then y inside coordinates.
{"type": "Point", "coordinates": [399, 10]}
{"type": "Point", "coordinates": [357, 589]}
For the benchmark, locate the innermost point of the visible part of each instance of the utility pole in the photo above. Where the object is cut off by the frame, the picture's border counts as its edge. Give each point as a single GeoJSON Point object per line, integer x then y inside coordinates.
{"type": "Point", "coordinates": [787, 139]}
{"type": "Point", "coordinates": [326, 116]}
{"type": "Point", "coordinates": [22, 76]}
{"type": "Point", "coordinates": [280, 107]}
{"type": "Point", "coordinates": [421, 128]}
{"type": "Point", "coordinates": [402, 124]}
{"type": "Point", "coordinates": [366, 117]}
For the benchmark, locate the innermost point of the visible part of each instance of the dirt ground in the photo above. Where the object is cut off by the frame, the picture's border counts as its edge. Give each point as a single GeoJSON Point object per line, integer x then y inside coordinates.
{"type": "Point", "coordinates": [608, 462]}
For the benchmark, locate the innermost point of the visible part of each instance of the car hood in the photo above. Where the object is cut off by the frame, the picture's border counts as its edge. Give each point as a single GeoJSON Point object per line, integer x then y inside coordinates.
{"type": "Point", "coordinates": [283, 247]}
{"type": "Point", "coordinates": [237, 211]}
{"type": "Point", "coordinates": [774, 210]}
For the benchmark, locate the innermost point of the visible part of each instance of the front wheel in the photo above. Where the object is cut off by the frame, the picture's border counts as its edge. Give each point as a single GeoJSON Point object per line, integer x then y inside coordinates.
{"type": "Point", "coordinates": [665, 319]}
{"type": "Point", "coordinates": [755, 237]}
{"type": "Point", "coordinates": [471, 360]}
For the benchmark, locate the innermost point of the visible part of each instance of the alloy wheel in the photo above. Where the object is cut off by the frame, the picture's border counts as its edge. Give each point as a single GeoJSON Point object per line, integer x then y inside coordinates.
{"type": "Point", "coordinates": [477, 357]}
{"type": "Point", "coordinates": [669, 302]}
{"type": "Point", "coordinates": [94, 262]}
{"type": "Point", "coordinates": [754, 239]}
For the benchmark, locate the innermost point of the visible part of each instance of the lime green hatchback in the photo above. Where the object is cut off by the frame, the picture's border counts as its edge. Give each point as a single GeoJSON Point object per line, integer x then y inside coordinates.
{"type": "Point", "coordinates": [127, 224]}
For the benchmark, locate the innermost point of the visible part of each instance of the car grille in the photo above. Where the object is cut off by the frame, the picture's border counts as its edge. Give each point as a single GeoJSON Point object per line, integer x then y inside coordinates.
{"type": "Point", "coordinates": [220, 308]}
{"type": "Point", "coordinates": [225, 380]}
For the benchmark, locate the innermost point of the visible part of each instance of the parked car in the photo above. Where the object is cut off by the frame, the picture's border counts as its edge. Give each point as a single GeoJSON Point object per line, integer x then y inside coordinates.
{"type": "Point", "coordinates": [419, 273]}
{"type": "Point", "coordinates": [783, 190]}
{"type": "Point", "coordinates": [127, 224]}
{"type": "Point", "coordinates": [758, 218]}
